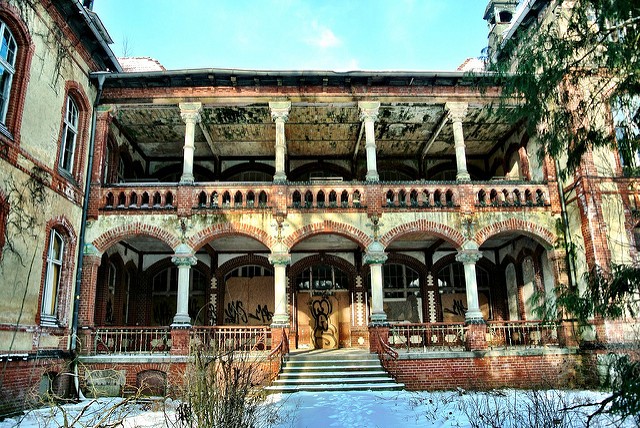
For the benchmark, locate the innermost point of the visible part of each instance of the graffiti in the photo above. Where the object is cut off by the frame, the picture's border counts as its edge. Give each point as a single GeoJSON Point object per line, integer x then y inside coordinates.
{"type": "Point", "coordinates": [458, 308]}
{"type": "Point", "coordinates": [262, 314]}
{"type": "Point", "coordinates": [235, 313]}
{"type": "Point", "coordinates": [320, 311]}
{"type": "Point", "coordinates": [324, 333]}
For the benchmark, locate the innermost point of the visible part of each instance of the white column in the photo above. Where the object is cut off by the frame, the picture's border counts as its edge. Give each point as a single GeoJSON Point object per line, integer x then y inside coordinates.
{"type": "Point", "coordinates": [184, 259]}
{"type": "Point", "coordinates": [190, 113]}
{"type": "Point", "coordinates": [375, 258]}
{"type": "Point", "coordinates": [369, 115]}
{"type": "Point", "coordinates": [280, 114]}
{"type": "Point", "coordinates": [280, 313]}
{"type": "Point", "coordinates": [469, 258]}
{"type": "Point", "coordinates": [457, 112]}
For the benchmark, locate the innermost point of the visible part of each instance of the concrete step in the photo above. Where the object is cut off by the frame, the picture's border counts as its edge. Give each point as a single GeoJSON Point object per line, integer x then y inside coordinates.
{"type": "Point", "coordinates": [338, 370]}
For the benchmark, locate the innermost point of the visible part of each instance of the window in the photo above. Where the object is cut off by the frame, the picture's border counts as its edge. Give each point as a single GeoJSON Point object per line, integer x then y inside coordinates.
{"type": "Point", "coordinates": [69, 134]}
{"type": "Point", "coordinates": [322, 278]}
{"type": "Point", "coordinates": [626, 120]}
{"type": "Point", "coordinates": [52, 279]}
{"type": "Point", "coordinates": [164, 296]}
{"type": "Point", "coordinates": [400, 281]}
{"type": "Point", "coordinates": [8, 52]}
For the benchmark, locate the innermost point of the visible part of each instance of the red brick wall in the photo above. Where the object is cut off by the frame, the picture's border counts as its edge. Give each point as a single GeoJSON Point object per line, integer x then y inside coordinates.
{"type": "Point", "coordinates": [20, 380]}
{"type": "Point", "coordinates": [548, 371]}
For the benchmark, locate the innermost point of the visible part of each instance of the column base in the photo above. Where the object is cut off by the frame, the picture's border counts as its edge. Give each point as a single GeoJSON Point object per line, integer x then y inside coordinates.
{"type": "Point", "coordinates": [279, 178]}
{"type": "Point", "coordinates": [280, 321]}
{"type": "Point", "coordinates": [378, 320]}
{"type": "Point", "coordinates": [463, 176]}
{"type": "Point", "coordinates": [187, 179]}
{"type": "Point", "coordinates": [372, 176]}
{"type": "Point", "coordinates": [474, 317]}
{"type": "Point", "coordinates": [181, 321]}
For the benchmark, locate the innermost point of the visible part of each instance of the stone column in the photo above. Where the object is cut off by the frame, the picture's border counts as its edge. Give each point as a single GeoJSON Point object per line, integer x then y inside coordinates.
{"type": "Point", "coordinates": [469, 259]}
{"type": "Point", "coordinates": [375, 258]}
{"type": "Point", "coordinates": [280, 114]}
{"type": "Point", "coordinates": [280, 313]}
{"type": "Point", "coordinates": [457, 112]}
{"type": "Point", "coordinates": [369, 114]}
{"type": "Point", "coordinates": [190, 113]}
{"type": "Point", "coordinates": [184, 259]}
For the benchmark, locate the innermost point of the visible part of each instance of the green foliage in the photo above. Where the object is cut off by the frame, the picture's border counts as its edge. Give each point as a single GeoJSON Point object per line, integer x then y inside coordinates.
{"type": "Point", "coordinates": [566, 71]}
{"type": "Point", "coordinates": [608, 294]}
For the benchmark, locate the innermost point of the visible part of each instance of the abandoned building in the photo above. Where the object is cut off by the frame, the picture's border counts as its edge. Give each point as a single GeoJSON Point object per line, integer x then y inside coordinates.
{"type": "Point", "coordinates": [394, 212]}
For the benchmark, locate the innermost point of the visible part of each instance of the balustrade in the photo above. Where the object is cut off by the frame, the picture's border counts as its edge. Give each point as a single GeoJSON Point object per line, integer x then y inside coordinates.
{"type": "Point", "coordinates": [511, 195]}
{"type": "Point", "coordinates": [530, 334]}
{"type": "Point", "coordinates": [224, 339]}
{"type": "Point", "coordinates": [131, 340]}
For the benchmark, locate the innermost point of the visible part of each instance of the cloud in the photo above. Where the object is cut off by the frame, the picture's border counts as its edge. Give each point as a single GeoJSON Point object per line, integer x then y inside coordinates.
{"type": "Point", "coordinates": [322, 37]}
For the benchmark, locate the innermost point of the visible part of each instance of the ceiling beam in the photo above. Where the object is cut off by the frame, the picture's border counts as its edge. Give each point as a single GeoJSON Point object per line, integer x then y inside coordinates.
{"type": "Point", "coordinates": [355, 150]}
{"type": "Point", "coordinates": [214, 149]}
{"type": "Point", "coordinates": [434, 135]}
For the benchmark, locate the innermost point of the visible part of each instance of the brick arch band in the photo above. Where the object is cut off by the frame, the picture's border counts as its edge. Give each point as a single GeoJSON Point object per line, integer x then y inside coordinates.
{"type": "Point", "coordinates": [329, 227]}
{"type": "Point", "coordinates": [117, 234]}
{"type": "Point", "coordinates": [539, 233]}
{"type": "Point", "coordinates": [440, 230]}
{"type": "Point", "coordinates": [225, 229]}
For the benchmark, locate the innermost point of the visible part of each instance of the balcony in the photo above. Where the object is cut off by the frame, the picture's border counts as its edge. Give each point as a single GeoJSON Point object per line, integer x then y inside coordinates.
{"type": "Point", "coordinates": [326, 196]}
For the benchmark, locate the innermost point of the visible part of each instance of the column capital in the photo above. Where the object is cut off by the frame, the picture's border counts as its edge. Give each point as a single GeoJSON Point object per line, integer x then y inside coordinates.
{"type": "Point", "coordinates": [184, 256]}
{"type": "Point", "coordinates": [369, 110]}
{"type": "Point", "coordinates": [468, 256]}
{"type": "Point", "coordinates": [89, 250]}
{"type": "Point", "coordinates": [280, 110]}
{"type": "Point", "coordinates": [375, 254]}
{"type": "Point", "coordinates": [190, 112]}
{"type": "Point", "coordinates": [280, 259]}
{"type": "Point", "coordinates": [457, 110]}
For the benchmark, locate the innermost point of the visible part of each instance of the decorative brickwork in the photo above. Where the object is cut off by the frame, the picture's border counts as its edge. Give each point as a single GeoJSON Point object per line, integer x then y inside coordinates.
{"type": "Point", "coordinates": [426, 226]}
{"type": "Point", "coordinates": [329, 226]}
{"type": "Point", "coordinates": [547, 238]}
{"type": "Point", "coordinates": [119, 233]}
{"type": "Point", "coordinates": [225, 229]}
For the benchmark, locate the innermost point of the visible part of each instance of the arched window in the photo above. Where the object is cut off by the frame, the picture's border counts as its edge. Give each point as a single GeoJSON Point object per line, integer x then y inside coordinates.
{"type": "Point", "coordinates": [321, 278]}
{"type": "Point", "coordinates": [165, 296]}
{"type": "Point", "coordinates": [58, 266]}
{"type": "Point", "coordinates": [8, 53]}
{"type": "Point", "coordinates": [69, 136]}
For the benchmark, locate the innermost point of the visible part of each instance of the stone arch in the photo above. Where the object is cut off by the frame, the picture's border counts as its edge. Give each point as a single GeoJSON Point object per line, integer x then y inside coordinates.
{"type": "Point", "coordinates": [438, 229]}
{"type": "Point", "coordinates": [329, 226]}
{"type": "Point", "coordinates": [236, 262]}
{"type": "Point", "coordinates": [223, 229]}
{"type": "Point", "coordinates": [540, 233]}
{"type": "Point", "coordinates": [317, 259]}
{"type": "Point", "coordinates": [117, 234]}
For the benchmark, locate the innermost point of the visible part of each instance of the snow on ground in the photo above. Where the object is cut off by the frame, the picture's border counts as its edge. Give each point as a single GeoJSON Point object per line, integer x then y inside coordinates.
{"type": "Point", "coordinates": [357, 410]}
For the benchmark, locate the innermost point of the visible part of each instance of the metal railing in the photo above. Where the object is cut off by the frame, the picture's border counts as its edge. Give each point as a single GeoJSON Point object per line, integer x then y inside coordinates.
{"type": "Point", "coordinates": [224, 339]}
{"type": "Point", "coordinates": [427, 337]}
{"type": "Point", "coordinates": [518, 334]}
{"type": "Point", "coordinates": [131, 340]}
{"type": "Point", "coordinates": [277, 356]}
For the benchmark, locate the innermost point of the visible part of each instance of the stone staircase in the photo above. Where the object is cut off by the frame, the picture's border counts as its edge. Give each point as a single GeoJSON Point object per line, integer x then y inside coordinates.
{"type": "Point", "coordinates": [333, 370]}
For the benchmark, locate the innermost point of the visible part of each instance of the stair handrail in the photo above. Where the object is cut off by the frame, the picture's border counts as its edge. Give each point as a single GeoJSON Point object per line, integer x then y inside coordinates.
{"type": "Point", "coordinates": [280, 352]}
{"type": "Point", "coordinates": [387, 355]}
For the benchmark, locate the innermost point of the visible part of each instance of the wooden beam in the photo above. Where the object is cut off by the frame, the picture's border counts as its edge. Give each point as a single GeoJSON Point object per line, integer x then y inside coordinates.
{"type": "Point", "coordinates": [432, 138]}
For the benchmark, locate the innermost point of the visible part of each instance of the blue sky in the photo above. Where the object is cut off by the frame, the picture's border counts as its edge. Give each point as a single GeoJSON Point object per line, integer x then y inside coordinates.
{"type": "Point", "coordinates": [336, 35]}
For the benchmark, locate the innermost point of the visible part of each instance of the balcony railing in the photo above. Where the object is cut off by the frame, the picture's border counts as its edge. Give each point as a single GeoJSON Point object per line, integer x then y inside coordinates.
{"type": "Point", "coordinates": [518, 334]}
{"type": "Point", "coordinates": [509, 194]}
{"type": "Point", "coordinates": [131, 340]}
{"type": "Point", "coordinates": [427, 337]}
{"type": "Point", "coordinates": [225, 339]}
{"type": "Point", "coordinates": [329, 195]}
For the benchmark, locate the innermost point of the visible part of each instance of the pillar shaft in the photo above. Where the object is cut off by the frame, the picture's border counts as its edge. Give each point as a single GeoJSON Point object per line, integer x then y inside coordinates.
{"type": "Point", "coordinates": [280, 312]}
{"type": "Point", "coordinates": [457, 112]}
{"type": "Point", "coordinates": [369, 114]}
{"type": "Point", "coordinates": [190, 113]}
{"type": "Point", "coordinates": [375, 258]}
{"type": "Point", "coordinates": [469, 259]}
{"type": "Point", "coordinates": [280, 115]}
{"type": "Point", "coordinates": [184, 264]}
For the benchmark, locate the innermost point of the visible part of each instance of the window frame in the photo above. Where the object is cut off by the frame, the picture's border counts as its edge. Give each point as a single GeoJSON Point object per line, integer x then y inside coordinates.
{"type": "Point", "coordinates": [49, 303]}
{"type": "Point", "coordinates": [68, 146]}
{"type": "Point", "coordinates": [9, 66]}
